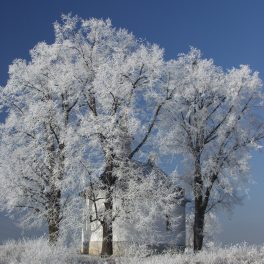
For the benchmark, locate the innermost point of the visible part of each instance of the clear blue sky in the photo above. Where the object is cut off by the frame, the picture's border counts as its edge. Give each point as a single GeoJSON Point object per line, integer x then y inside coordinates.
{"type": "Point", "coordinates": [229, 31]}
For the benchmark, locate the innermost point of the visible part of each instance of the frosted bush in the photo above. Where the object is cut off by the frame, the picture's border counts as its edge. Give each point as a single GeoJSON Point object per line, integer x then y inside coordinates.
{"type": "Point", "coordinates": [32, 252]}
{"type": "Point", "coordinates": [237, 254]}
{"type": "Point", "coordinates": [39, 252]}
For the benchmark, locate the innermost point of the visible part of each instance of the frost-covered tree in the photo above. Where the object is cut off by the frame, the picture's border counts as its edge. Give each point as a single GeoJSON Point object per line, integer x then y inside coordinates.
{"type": "Point", "coordinates": [212, 121]}
{"type": "Point", "coordinates": [122, 91]}
{"type": "Point", "coordinates": [37, 135]}
{"type": "Point", "coordinates": [78, 113]}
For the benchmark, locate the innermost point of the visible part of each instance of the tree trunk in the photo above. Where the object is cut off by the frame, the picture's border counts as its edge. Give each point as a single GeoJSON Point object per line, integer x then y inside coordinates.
{"type": "Point", "coordinates": [199, 213]}
{"type": "Point", "coordinates": [54, 218]}
{"type": "Point", "coordinates": [198, 227]}
{"type": "Point", "coordinates": [107, 244]}
{"type": "Point", "coordinates": [108, 180]}
{"type": "Point", "coordinates": [53, 232]}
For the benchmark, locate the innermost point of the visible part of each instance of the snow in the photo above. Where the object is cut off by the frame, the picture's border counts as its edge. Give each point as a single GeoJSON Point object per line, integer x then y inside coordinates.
{"type": "Point", "coordinates": [38, 252]}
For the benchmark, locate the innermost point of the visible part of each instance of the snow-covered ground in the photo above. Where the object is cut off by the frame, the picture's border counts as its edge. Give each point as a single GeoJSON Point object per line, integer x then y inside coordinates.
{"type": "Point", "coordinates": [38, 252]}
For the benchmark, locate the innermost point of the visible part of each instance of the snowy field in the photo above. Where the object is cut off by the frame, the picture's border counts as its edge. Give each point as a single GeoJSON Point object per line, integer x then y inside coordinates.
{"type": "Point", "coordinates": [38, 252]}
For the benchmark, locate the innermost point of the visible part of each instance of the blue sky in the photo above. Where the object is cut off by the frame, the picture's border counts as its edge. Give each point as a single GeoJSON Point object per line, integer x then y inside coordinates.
{"type": "Point", "coordinates": [230, 32]}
